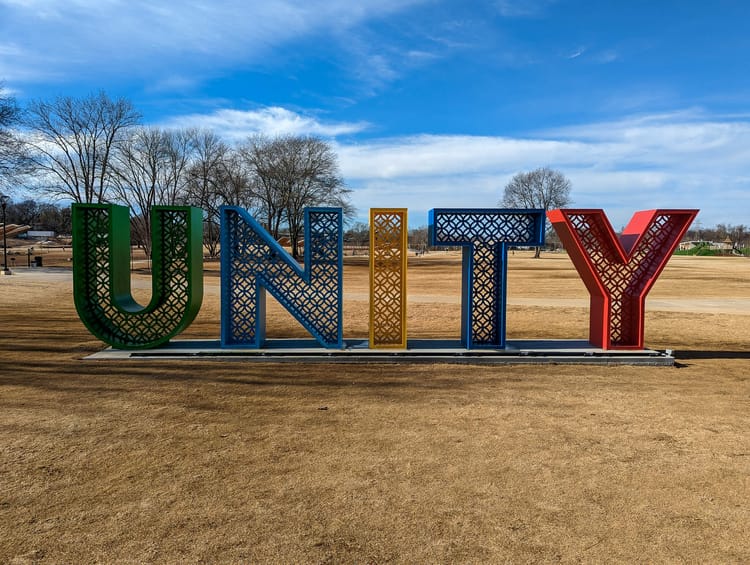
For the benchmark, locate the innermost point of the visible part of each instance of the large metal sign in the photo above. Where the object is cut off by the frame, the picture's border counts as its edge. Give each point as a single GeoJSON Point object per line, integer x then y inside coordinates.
{"type": "Point", "coordinates": [253, 262]}
{"type": "Point", "coordinates": [618, 272]}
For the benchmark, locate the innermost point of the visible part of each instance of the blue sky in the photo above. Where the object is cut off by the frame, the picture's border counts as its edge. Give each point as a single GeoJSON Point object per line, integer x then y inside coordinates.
{"type": "Point", "coordinates": [430, 103]}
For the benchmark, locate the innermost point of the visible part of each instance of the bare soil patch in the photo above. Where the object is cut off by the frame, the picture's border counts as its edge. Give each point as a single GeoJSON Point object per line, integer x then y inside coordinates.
{"type": "Point", "coordinates": [234, 462]}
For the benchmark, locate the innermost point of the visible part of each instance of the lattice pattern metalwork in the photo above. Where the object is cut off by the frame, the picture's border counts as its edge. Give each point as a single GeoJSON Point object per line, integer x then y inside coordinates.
{"type": "Point", "coordinates": [388, 277]}
{"type": "Point", "coordinates": [251, 262]}
{"type": "Point", "coordinates": [619, 272]}
{"type": "Point", "coordinates": [485, 235]}
{"type": "Point", "coordinates": [101, 277]}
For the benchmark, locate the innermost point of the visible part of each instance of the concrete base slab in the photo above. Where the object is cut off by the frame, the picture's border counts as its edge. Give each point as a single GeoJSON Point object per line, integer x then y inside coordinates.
{"type": "Point", "coordinates": [418, 351]}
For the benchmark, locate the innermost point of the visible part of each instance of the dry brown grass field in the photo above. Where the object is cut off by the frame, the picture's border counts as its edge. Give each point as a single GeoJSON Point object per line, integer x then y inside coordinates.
{"type": "Point", "coordinates": [183, 461]}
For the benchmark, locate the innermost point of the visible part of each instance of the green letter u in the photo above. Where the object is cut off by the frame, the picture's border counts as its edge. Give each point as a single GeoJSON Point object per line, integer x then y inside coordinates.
{"type": "Point", "coordinates": [101, 277]}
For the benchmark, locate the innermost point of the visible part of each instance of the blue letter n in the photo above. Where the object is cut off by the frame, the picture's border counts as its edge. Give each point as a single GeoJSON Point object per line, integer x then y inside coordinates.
{"type": "Point", "coordinates": [252, 262]}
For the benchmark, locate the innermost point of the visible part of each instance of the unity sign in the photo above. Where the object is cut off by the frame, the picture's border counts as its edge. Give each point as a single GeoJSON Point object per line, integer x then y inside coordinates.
{"type": "Point", "coordinates": [618, 272]}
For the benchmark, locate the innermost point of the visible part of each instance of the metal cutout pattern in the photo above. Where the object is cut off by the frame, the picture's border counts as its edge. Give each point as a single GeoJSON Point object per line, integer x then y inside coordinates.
{"type": "Point", "coordinates": [619, 271]}
{"type": "Point", "coordinates": [101, 277]}
{"type": "Point", "coordinates": [485, 235]}
{"type": "Point", "coordinates": [252, 262]}
{"type": "Point", "coordinates": [388, 250]}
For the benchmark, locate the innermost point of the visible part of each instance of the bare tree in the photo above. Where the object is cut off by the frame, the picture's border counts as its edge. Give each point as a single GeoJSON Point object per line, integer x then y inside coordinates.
{"type": "Point", "coordinates": [56, 218]}
{"type": "Point", "coordinates": [180, 146]}
{"type": "Point", "coordinates": [72, 141]}
{"type": "Point", "coordinates": [208, 179]}
{"type": "Point", "coordinates": [291, 173]}
{"type": "Point", "coordinates": [237, 182]}
{"type": "Point", "coordinates": [419, 239]}
{"type": "Point", "coordinates": [263, 159]}
{"type": "Point", "coordinates": [739, 234]}
{"type": "Point", "coordinates": [736, 234]}
{"type": "Point", "coordinates": [541, 188]}
{"type": "Point", "coordinates": [311, 178]}
{"type": "Point", "coordinates": [148, 169]}
{"type": "Point", "coordinates": [40, 215]}
{"type": "Point", "coordinates": [25, 213]}
{"type": "Point", "coordinates": [13, 158]}
{"type": "Point", "coordinates": [358, 235]}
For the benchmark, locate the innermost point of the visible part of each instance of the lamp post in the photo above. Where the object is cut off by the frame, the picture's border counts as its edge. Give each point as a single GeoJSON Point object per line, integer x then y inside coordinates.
{"type": "Point", "coordinates": [4, 203]}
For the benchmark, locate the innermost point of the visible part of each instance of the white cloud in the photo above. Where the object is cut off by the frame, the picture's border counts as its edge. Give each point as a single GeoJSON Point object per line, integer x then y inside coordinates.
{"type": "Point", "coordinates": [681, 160]}
{"type": "Point", "coordinates": [676, 160]}
{"type": "Point", "coordinates": [688, 140]}
{"type": "Point", "coordinates": [422, 155]}
{"type": "Point", "coordinates": [236, 125]}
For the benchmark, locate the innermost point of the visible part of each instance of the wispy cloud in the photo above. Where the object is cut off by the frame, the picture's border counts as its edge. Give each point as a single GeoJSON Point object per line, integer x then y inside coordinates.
{"type": "Point", "coordinates": [607, 56]}
{"type": "Point", "coordinates": [173, 82]}
{"type": "Point", "coordinates": [577, 53]}
{"type": "Point", "coordinates": [142, 36]}
{"type": "Point", "coordinates": [594, 56]}
{"type": "Point", "coordinates": [523, 8]}
{"type": "Point", "coordinates": [236, 125]}
{"type": "Point", "coordinates": [430, 155]}
{"type": "Point", "coordinates": [10, 50]}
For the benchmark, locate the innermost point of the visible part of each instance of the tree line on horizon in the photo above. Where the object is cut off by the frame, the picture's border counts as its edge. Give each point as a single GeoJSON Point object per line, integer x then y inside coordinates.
{"type": "Point", "coordinates": [94, 150]}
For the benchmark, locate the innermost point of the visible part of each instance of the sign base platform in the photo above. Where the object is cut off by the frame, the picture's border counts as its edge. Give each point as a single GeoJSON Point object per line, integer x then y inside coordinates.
{"type": "Point", "coordinates": [418, 351]}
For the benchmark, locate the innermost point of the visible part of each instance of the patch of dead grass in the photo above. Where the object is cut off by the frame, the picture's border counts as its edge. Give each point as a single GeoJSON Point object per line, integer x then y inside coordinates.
{"type": "Point", "coordinates": [234, 462]}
